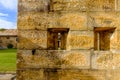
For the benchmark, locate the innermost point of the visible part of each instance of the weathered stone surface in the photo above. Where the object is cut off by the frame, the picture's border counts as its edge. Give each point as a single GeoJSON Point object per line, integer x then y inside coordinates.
{"type": "Point", "coordinates": [80, 40]}
{"type": "Point", "coordinates": [76, 59]}
{"type": "Point", "coordinates": [33, 74]}
{"type": "Point", "coordinates": [101, 5]}
{"type": "Point", "coordinates": [67, 59]}
{"type": "Point", "coordinates": [26, 59]}
{"type": "Point", "coordinates": [5, 41]}
{"type": "Point", "coordinates": [68, 74]}
{"type": "Point", "coordinates": [74, 20]}
{"type": "Point", "coordinates": [33, 5]}
{"type": "Point", "coordinates": [114, 41]}
{"type": "Point", "coordinates": [117, 25]}
{"type": "Point", "coordinates": [102, 19]}
{"type": "Point", "coordinates": [32, 39]}
{"type": "Point", "coordinates": [66, 5]}
{"type": "Point", "coordinates": [115, 74]}
{"type": "Point", "coordinates": [106, 60]}
{"type": "Point", "coordinates": [117, 7]}
{"type": "Point", "coordinates": [80, 17]}
{"type": "Point", "coordinates": [53, 58]}
{"type": "Point", "coordinates": [33, 20]}
{"type": "Point", "coordinates": [82, 75]}
{"type": "Point", "coordinates": [118, 40]}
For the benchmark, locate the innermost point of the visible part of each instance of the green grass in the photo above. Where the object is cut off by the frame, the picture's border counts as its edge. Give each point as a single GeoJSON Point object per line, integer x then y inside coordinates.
{"type": "Point", "coordinates": [8, 60]}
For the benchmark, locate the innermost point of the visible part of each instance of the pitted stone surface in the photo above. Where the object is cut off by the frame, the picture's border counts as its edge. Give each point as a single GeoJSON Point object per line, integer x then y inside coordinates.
{"type": "Point", "coordinates": [80, 59]}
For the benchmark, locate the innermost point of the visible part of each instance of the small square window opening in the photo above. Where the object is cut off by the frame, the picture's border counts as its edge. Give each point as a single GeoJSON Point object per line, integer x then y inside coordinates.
{"type": "Point", "coordinates": [102, 37]}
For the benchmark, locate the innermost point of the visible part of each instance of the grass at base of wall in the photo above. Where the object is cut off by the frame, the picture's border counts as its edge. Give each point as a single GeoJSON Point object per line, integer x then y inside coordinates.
{"type": "Point", "coordinates": [8, 60]}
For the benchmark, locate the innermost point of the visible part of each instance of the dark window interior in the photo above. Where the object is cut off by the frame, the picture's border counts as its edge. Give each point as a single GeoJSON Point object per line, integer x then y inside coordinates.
{"type": "Point", "coordinates": [102, 37]}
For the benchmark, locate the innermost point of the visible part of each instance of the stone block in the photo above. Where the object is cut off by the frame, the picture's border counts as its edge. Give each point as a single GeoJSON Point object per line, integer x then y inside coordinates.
{"type": "Point", "coordinates": [71, 20]}
{"type": "Point", "coordinates": [32, 39]}
{"type": "Point", "coordinates": [115, 74]}
{"type": "Point", "coordinates": [80, 40]}
{"type": "Point", "coordinates": [33, 5]}
{"type": "Point", "coordinates": [74, 20]}
{"type": "Point", "coordinates": [53, 59]}
{"type": "Point", "coordinates": [105, 60]}
{"type": "Point", "coordinates": [69, 59]}
{"type": "Point", "coordinates": [75, 59]}
{"type": "Point", "coordinates": [117, 5]}
{"type": "Point", "coordinates": [102, 19]}
{"type": "Point", "coordinates": [26, 59]}
{"type": "Point", "coordinates": [30, 74]}
{"type": "Point", "coordinates": [74, 74]}
{"type": "Point", "coordinates": [66, 5]}
{"type": "Point", "coordinates": [42, 21]}
{"type": "Point", "coordinates": [114, 41]}
{"type": "Point", "coordinates": [101, 5]}
{"type": "Point", "coordinates": [33, 20]}
{"type": "Point", "coordinates": [117, 25]}
{"type": "Point", "coordinates": [118, 40]}
{"type": "Point", "coordinates": [82, 75]}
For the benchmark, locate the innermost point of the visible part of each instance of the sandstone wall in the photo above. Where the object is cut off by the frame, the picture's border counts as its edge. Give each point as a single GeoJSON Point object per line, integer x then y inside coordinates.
{"type": "Point", "coordinates": [79, 61]}
{"type": "Point", "coordinates": [4, 41]}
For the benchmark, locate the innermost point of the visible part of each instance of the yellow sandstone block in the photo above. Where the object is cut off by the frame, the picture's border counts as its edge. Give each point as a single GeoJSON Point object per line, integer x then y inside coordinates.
{"type": "Point", "coordinates": [81, 40]}
{"type": "Point", "coordinates": [32, 39]}
{"type": "Point", "coordinates": [33, 20]}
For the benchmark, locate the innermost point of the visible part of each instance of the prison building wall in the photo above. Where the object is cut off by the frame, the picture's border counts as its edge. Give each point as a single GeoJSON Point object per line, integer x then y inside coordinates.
{"type": "Point", "coordinates": [68, 40]}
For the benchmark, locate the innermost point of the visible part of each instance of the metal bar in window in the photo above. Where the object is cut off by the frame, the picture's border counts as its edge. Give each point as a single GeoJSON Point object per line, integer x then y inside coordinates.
{"type": "Point", "coordinates": [98, 41]}
{"type": "Point", "coordinates": [59, 40]}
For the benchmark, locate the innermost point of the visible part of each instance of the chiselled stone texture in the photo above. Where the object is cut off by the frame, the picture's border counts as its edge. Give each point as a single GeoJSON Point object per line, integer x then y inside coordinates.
{"type": "Point", "coordinates": [40, 74]}
{"type": "Point", "coordinates": [33, 5]}
{"type": "Point", "coordinates": [68, 40]}
{"type": "Point", "coordinates": [82, 75]}
{"type": "Point", "coordinates": [101, 5]}
{"type": "Point", "coordinates": [42, 21]}
{"type": "Point", "coordinates": [118, 20]}
{"type": "Point", "coordinates": [32, 39]}
{"type": "Point", "coordinates": [53, 58]}
{"type": "Point", "coordinates": [117, 5]}
{"type": "Point", "coordinates": [69, 5]}
{"type": "Point", "coordinates": [118, 40]}
{"type": "Point", "coordinates": [81, 39]}
{"type": "Point", "coordinates": [74, 20]}
{"type": "Point", "coordinates": [102, 19]}
{"type": "Point", "coordinates": [61, 74]}
{"type": "Point", "coordinates": [106, 60]}
{"type": "Point", "coordinates": [31, 74]}
{"type": "Point", "coordinates": [33, 20]}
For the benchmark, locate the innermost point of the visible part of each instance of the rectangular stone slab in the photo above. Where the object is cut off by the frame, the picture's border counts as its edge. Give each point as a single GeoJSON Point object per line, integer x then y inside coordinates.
{"type": "Point", "coordinates": [33, 20]}
{"type": "Point", "coordinates": [106, 60]}
{"type": "Point", "coordinates": [101, 5]}
{"type": "Point", "coordinates": [76, 59]}
{"type": "Point", "coordinates": [64, 5]}
{"type": "Point", "coordinates": [33, 5]}
{"type": "Point", "coordinates": [32, 39]}
{"type": "Point", "coordinates": [80, 40]}
{"type": "Point", "coordinates": [102, 19]}
{"type": "Point", "coordinates": [34, 74]}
